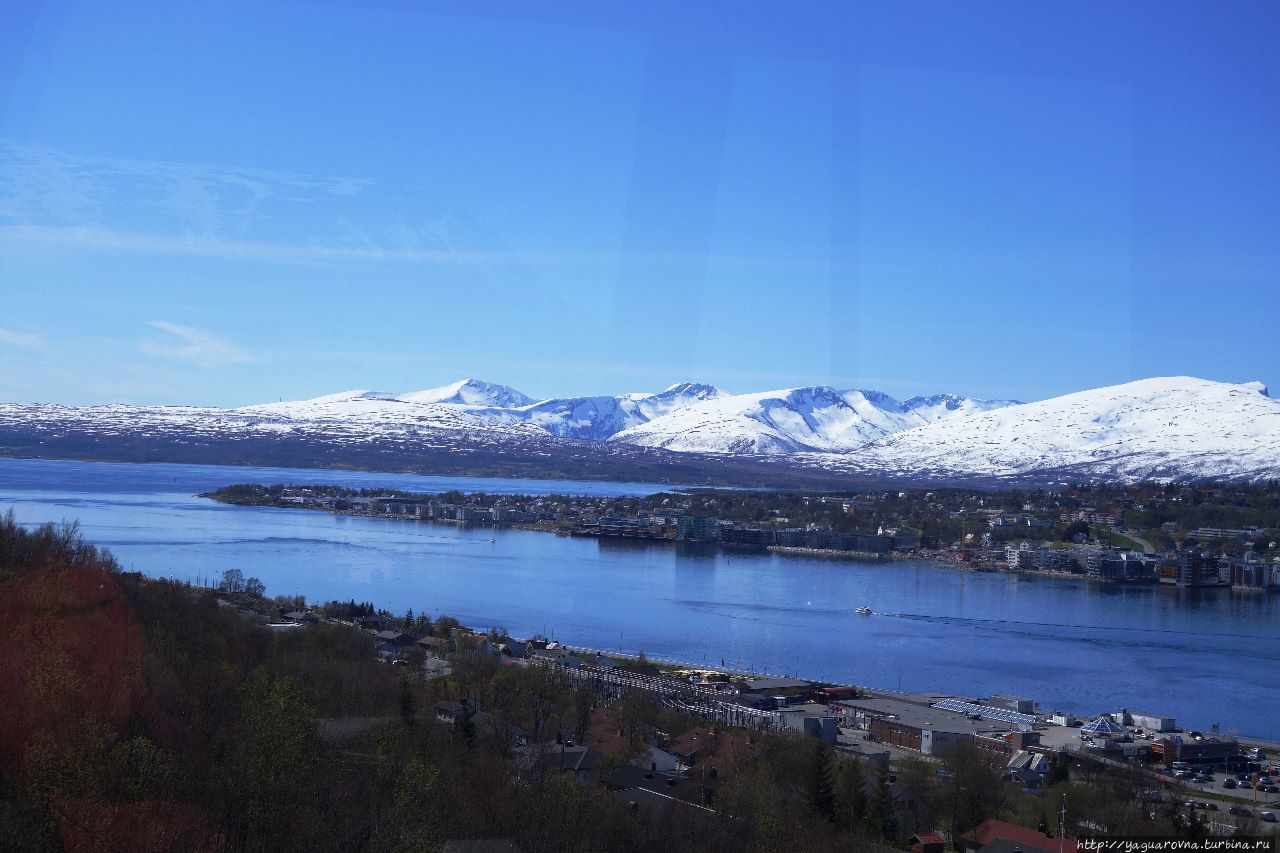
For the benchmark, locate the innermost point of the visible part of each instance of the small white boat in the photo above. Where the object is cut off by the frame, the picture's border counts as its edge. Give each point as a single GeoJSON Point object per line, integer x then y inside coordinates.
{"type": "Point", "coordinates": [863, 611]}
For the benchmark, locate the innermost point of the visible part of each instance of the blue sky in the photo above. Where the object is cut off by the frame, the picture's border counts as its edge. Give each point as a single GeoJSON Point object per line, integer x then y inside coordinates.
{"type": "Point", "coordinates": [227, 203]}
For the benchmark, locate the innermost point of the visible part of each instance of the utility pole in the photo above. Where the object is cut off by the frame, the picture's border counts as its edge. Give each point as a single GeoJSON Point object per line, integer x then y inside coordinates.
{"type": "Point", "coordinates": [1062, 825]}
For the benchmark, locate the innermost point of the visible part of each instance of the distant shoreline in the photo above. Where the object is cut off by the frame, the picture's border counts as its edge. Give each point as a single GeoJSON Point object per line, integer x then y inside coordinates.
{"type": "Point", "coordinates": [815, 553]}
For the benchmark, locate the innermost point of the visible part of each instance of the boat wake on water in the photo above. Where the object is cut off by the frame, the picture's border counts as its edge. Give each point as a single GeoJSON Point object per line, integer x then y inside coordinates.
{"type": "Point", "coordinates": [965, 620]}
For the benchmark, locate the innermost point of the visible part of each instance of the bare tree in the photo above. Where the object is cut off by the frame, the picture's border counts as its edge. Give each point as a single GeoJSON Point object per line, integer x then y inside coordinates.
{"type": "Point", "coordinates": [232, 581]}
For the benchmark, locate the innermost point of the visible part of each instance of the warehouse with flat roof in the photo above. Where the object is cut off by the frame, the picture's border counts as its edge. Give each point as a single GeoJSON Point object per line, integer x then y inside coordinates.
{"type": "Point", "coordinates": [910, 725]}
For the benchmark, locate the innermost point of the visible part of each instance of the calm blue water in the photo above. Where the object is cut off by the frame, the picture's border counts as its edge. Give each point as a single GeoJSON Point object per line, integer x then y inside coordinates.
{"type": "Point", "coordinates": [63, 475]}
{"type": "Point", "coordinates": [1203, 656]}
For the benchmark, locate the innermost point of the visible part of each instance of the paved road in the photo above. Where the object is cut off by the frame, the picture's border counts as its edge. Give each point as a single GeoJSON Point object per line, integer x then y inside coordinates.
{"type": "Point", "coordinates": [1147, 547]}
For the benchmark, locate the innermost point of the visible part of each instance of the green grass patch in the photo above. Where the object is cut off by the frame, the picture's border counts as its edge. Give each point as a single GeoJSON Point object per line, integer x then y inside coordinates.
{"type": "Point", "coordinates": [1107, 536]}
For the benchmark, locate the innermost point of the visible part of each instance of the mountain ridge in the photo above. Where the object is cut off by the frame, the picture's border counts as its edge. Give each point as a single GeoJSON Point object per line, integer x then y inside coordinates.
{"type": "Point", "coordinates": [1162, 427]}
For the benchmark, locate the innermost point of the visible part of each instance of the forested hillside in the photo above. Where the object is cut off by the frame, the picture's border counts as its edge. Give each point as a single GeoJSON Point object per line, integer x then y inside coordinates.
{"type": "Point", "coordinates": [144, 715]}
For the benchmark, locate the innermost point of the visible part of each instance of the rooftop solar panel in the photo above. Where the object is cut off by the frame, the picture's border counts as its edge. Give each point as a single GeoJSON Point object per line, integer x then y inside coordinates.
{"type": "Point", "coordinates": [987, 712]}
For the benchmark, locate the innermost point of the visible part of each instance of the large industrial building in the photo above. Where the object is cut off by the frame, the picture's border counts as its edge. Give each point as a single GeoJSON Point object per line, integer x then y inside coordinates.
{"type": "Point", "coordinates": [917, 724]}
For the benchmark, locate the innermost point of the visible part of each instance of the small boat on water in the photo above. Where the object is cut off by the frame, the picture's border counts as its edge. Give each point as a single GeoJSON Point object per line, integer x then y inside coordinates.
{"type": "Point", "coordinates": [863, 611]}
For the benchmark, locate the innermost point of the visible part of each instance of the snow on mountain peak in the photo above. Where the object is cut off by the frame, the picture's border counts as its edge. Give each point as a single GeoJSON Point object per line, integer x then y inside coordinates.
{"type": "Point", "coordinates": [950, 402]}
{"type": "Point", "coordinates": [300, 407]}
{"type": "Point", "coordinates": [1177, 426]}
{"type": "Point", "coordinates": [935, 407]}
{"type": "Point", "coordinates": [353, 395]}
{"type": "Point", "coordinates": [781, 421]}
{"type": "Point", "coordinates": [1256, 386]}
{"type": "Point", "coordinates": [1158, 428]}
{"type": "Point", "coordinates": [789, 420]}
{"type": "Point", "coordinates": [471, 392]}
{"type": "Point", "coordinates": [692, 389]}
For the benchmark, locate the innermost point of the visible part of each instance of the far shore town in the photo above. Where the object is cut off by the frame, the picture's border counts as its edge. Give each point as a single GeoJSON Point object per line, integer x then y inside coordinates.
{"type": "Point", "coordinates": [1184, 535]}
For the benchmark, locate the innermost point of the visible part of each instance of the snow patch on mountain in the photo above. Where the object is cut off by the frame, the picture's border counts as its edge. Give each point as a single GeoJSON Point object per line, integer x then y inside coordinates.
{"type": "Point", "coordinates": [1165, 428]}
{"type": "Point", "coordinates": [487, 404]}
{"type": "Point", "coordinates": [793, 420]}
{"type": "Point", "coordinates": [471, 392]}
{"type": "Point", "coordinates": [297, 408]}
{"type": "Point", "coordinates": [591, 418]}
{"type": "Point", "coordinates": [677, 397]}
{"type": "Point", "coordinates": [938, 407]}
{"type": "Point", "coordinates": [1169, 427]}
{"type": "Point", "coordinates": [598, 418]}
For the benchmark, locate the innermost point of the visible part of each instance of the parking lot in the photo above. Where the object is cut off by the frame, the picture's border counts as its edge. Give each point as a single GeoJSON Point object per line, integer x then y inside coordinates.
{"type": "Point", "coordinates": [1266, 793]}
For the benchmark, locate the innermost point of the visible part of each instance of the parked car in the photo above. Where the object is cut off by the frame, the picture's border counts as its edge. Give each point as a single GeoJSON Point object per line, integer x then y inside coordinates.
{"type": "Point", "coordinates": [1230, 783]}
{"type": "Point", "coordinates": [1269, 817]}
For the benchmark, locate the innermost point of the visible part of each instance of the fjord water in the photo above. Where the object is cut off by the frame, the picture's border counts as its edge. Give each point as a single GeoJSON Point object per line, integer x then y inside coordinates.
{"type": "Point", "coordinates": [1203, 656]}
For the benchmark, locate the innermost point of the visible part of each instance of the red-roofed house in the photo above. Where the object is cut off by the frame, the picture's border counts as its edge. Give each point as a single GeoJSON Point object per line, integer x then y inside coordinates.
{"type": "Point", "coordinates": [998, 836]}
{"type": "Point", "coordinates": [711, 754]}
{"type": "Point", "coordinates": [604, 733]}
{"type": "Point", "coordinates": [929, 842]}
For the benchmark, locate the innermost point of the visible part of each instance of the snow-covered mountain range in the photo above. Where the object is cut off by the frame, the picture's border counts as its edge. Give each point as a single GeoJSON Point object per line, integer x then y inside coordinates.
{"type": "Point", "coordinates": [795, 420]}
{"type": "Point", "coordinates": [478, 405]}
{"type": "Point", "coordinates": [686, 417]}
{"type": "Point", "coordinates": [1163, 428]}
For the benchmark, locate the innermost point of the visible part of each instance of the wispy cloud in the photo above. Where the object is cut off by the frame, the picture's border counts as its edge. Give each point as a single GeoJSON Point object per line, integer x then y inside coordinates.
{"type": "Point", "coordinates": [54, 198]}
{"type": "Point", "coordinates": [200, 348]}
{"type": "Point", "coordinates": [92, 238]}
{"type": "Point", "coordinates": [43, 184]}
{"type": "Point", "coordinates": [22, 339]}
{"type": "Point", "coordinates": [103, 239]}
